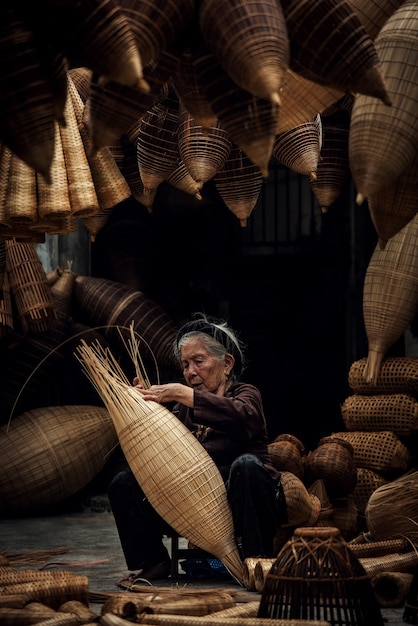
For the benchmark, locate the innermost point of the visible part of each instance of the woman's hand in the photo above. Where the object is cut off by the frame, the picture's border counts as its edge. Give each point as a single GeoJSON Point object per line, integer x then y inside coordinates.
{"type": "Point", "coordinates": [169, 392]}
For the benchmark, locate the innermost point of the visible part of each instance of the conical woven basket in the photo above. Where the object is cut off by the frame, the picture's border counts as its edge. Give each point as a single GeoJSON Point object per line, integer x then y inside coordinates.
{"type": "Point", "coordinates": [191, 93]}
{"type": "Point", "coordinates": [250, 41]}
{"type": "Point", "coordinates": [374, 13]}
{"type": "Point", "coordinates": [300, 148]}
{"type": "Point", "coordinates": [177, 475]}
{"type": "Point", "coordinates": [383, 139]}
{"type": "Point", "coordinates": [50, 453]}
{"type": "Point", "coordinates": [181, 178]}
{"type": "Point", "coordinates": [390, 293]}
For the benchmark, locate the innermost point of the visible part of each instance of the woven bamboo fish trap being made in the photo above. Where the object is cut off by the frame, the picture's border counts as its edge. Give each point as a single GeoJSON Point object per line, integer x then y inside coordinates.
{"type": "Point", "coordinates": [51, 453]}
{"type": "Point", "coordinates": [329, 45]}
{"type": "Point", "coordinates": [392, 509]}
{"type": "Point", "coordinates": [299, 149]}
{"type": "Point", "coordinates": [177, 475]}
{"type": "Point", "coordinates": [390, 294]}
{"type": "Point", "coordinates": [239, 184]}
{"type": "Point", "coordinates": [374, 13]}
{"type": "Point", "coordinates": [397, 412]}
{"type": "Point", "coordinates": [203, 151]}
{"type": "Point", "coordinates": [250, 41]}
{"type": "Point", "coordinates": [382, 142]}
{"type": "Point", "coordinates": [316, 576]}
{"type": "Point", "coordinates": [395, 205]}
{"type": "Point", "coordinates": [396, 375]}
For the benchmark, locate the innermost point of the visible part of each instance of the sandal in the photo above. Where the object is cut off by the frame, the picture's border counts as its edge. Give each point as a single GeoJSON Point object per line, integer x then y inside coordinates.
{"type": "Point", "coordinates": [144, 575]}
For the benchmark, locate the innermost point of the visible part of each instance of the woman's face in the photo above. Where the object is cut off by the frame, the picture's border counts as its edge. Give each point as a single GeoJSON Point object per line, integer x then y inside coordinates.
{"type": "Point", "coordinates": [202, 370]}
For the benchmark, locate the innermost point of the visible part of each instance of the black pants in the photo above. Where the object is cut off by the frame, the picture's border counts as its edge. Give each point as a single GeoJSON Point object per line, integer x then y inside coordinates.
{"type": "Point", "coordinates": [257, 503]}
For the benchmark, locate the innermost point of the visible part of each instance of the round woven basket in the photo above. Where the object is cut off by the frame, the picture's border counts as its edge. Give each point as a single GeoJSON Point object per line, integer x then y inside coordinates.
{"type": "Point", "coordinates": [333, 462]}
{"type": "Point", "coordinates": [287, 454]}
{"type": "Point", "coordinates": [303, 508]}
{"type": "Point", "coordinates": [316, 576]}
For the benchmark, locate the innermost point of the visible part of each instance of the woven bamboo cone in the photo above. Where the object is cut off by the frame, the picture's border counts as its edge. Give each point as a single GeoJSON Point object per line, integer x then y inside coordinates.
{"type": "Point", "coordinates": [390, 294]}
{"type": "Point", "coordinates": [181, 178]}
{"type": "Point", "coordinates": [21, 206]}
{"type": "Point", "coordinates": [374, 13]}
{"type": "Point", "coordinates": [250, 41]}
{"type": "Point", "coordinates": [248, 573]}
{"type": "Point", "coordinates": [299, 149]}
{"type": "Point", "coordinates": [191, 93]}
{"type": "Point", "coordinates": [261, 570]}
{"type": "Point", "coordinates": [375, 126]}
{"type": "Point", "coordinates": [175, 472]}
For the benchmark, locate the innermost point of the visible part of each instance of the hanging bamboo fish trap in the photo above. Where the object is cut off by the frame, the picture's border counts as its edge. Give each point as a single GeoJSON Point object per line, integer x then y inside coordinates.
{"type": "Point", "coordinates": [181, 178]}
{"type": "Point", "coordinates": [203, 151]}
{"type": "Point", "coordinates": [329, 45]}
{"type": "Point", "coordinates": [161, 451]}
{"type": "Point", "coordinates": [316, 576]}
{"type": "Point", "coordinates": [250, 41]}
{"type": "Point", "coordinates": [390, 294]}
{"type": "Point", "coordinates": [374, 13]}
{"type": "Point", "coordinates": [51, 453]}
{"type": "Point", "coordinates": [191, 93]}
{"type": "Point", "coordinates": [374, 126]}
{"type": "Point", "coordinates": [249, 121]}
{"type": "Point", "coordinates": [239, 184]}
{"type": "Point", "coordinates": [107, 303]}
{"type": "Point", "coordinates": [21, 205]}
{"type": "Point", "coordinates": [333, 171]}
{"type": "Point", "coordinates": [395, 205]}
{"type": "Point", "coordinates": [299, 149]}
{"type": "Point", "coordinates": [81, 77]}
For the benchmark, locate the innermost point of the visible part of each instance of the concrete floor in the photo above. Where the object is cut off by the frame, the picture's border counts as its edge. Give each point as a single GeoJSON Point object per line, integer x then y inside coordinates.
{"type": "Point", "coordinates": [93, 550]}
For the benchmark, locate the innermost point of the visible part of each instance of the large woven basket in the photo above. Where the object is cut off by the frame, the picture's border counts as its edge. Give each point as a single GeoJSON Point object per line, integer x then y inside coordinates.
{"type": "Point", "coordinates": [375, 126]}
{"type": "Point", "coordinates": [374, 13]}
{"type": "Point", "coordinates": [287, 453]}
{"type": "Point", "coordinates": [397, 412]}
{"type": "Point", "coordinates": [392, 509]}
{"type": "Point", "coordinates": [49, 588]}
{"type": "Point", "coordinates": [51, 453]}
{"type": "Point", "coordinates": [177, 475]}
{"type": "Point", "coordinates": [367, 482]}
{"type": "Point", "coordinates": [300, 147]}
{"type": "Point", "coordinates": [396, 375]}
{"type": "Point", "coordinates": [316, 576]}
{"type": "Point", "coordinates": [333, 461]}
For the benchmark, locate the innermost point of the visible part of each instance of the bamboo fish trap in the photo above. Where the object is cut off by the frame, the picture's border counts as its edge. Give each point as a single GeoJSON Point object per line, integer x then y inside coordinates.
{"type": "Point", "coordinates": [175, 472]}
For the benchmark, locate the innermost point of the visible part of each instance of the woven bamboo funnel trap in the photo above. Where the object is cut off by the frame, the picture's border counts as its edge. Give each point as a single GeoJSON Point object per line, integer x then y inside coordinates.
{"type": "Point", "coordinates": [177, 475]}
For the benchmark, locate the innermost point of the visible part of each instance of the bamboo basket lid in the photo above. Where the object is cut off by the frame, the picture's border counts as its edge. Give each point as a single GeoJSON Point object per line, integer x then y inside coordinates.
{"type": "Point", "coordinates": [391, 510]}
{"type": "Point", "coordinates": [177, 475]}
{"type": "Point", "coordinates": [203, 151]}
{"type": "Point", "coordinates": [393, 206]}
{"type": "Point", "coordinates": [249, 121]}
{"type": "Point", "coordinates": [190, 91]}
{"type": "Point", "coordinates": [333, 171]}
{"type": "Point", "coordinates": [156, 25]}
{"type": "Point", "coordinates": [157, 142]}
{"type": "Point", "coordinates": [239, 184]}
{"type": "Point", "coordinates": [50, 453]}
{"type": "Point", "coordinates": [382, 142]}
{"type": "Point", "coordinates": [107, 303]}
{"type": "Point", "coordinates": [374, 13]}
{"type": "Point", "coordinates": [28, 113]}
{"type": "Point", "coordinates": [250, 41]}
{"type": "Point", "coordinates": [329, 45]}
{"type": "Point", "coordinates": [302, 99]}
{"type": "Point", "coordinates": [299, 148]}
{"type": "Point", "coordinates": [390, 294]}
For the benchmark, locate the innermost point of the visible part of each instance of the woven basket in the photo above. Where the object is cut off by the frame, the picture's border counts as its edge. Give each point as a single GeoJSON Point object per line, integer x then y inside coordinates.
{"type": "Point", "coordinates": [250, 41]}
{"type": "Point", "coordinates": [329, 45]}
{"type": "Point", "coordinates": [301, 100]}
{"type": "Point", "coordinates": [181, 179]}
{"type": "Point", "coordinates": [390, 294]}
{"type": "Point", "coordinates": [191, 93]}
{"type": "Point", "coordinates": [405, 562]}
{"type": "Point", "coordinates": [81, 77]}
{"type": "Point", "coordinates": [250, 122]}
{"type": "Point", "coordinates": [367, 482]}
{"type": "Point", "coordinates": [303, 508]}
{"type": "Point", "coordinates": [392, 509]}
{"type": "Point", "coordinates": [383, 139]}
{"type": "Point", "coordinates": [395, 205]}
{"type": "Point", "coordinates": [20, 205]}
{"type": "Point", "coordinates": [391, 588]}
{"type": "Point", "coordinates": [210, 620]}
{"type": "Point", "coordinates": [51, 453]}
{"type": "Point", "coordinates": [239, 184]}
{"type": "Point", "coordinates": [396, 375]}
{"type": "Point", "coordinates": [261, 570]}
{"type": "Point", "coordinates": [103, 302]}
{"type": "Point", "coordinates": [333, 461]}
{"type": "Point", "coordinates": [287, 454]}
{"type": "Point", "coordinates": [299, 149]}
{"type": "Point", "coordinates": [397, 412]}
{"type": "Point", "coordinates": [203, 151]}
{"type": "Point", "coordinates": [382, 451]}
{"type": "Point", "coordinates": [333, 171]}
{"type": "Point", "coordinates": [371, 548]}
{"type": "Point", "coordinates": [52, 590]}
{"type": "Point", "coordinates": [161, 451]}
{"type": "Point", "coordinates": [374, 13]}
{"type": "Point", "coordinates": [345, 516]}
{"type": "Point", "coordinates": [316, 576]}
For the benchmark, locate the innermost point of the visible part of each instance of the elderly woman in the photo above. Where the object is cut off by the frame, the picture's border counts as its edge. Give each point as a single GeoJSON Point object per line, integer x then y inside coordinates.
{"type": "Point", "coordinates": [227, 417]}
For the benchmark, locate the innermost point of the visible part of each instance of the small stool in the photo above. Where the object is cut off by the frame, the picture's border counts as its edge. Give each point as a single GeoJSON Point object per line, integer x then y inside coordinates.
{"type": "Point", "coordinates": [178, 553]}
